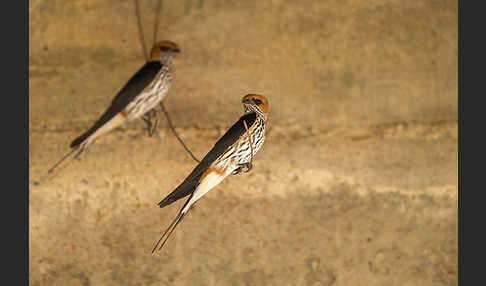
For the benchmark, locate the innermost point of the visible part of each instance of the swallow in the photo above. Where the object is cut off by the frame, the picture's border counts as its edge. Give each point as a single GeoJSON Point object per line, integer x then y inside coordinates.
{"type": "Point", "coordinates": [137, 99]}
{"type": "Point", "coordinates": [231, 154]}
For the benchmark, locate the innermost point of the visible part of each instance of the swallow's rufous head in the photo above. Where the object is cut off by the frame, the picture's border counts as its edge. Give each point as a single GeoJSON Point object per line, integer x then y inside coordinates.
{"type": "Point", "coordinates": [255, 102]}
{"type": "Point", "coordinates": [162, 48]}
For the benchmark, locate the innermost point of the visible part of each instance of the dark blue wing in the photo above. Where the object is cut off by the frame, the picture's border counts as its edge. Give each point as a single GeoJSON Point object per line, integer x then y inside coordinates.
{"type": "Point", "coordinates": [134, 86]}
{"type": "Point", "coordinates": [191, 182]}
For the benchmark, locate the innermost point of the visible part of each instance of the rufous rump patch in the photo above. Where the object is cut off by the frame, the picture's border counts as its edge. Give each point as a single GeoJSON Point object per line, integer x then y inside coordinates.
{"type": "Point", "coordinates": [209, 171]}
{"type": "Point", "coordinates": [123, 113]}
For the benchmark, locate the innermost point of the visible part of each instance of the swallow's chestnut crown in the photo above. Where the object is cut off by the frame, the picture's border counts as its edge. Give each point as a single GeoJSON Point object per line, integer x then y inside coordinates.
{"type": "Point", "coordinates": [258, 100]}
{"type": "Point", "coordinates": [163, 47]}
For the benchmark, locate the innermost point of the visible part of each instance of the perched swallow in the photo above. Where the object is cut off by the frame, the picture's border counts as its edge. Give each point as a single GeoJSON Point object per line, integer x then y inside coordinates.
{"type": "Point", "coordinates": [147, 88]}
{"type": "Point", "coordinates": [232, 154]}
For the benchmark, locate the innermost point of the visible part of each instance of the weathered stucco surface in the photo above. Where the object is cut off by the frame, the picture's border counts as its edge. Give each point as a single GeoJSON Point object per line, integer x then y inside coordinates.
{"type": "Point", "coordinates": [356, 183]}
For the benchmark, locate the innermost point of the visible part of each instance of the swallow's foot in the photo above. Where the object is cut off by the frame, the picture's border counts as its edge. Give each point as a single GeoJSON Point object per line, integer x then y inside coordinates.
{"type": "Point", "coordinates": [154, 127]}
{"type": "Point", "coordinates": [245, 168]}
{"type": "Point", "coordinates": [148, 120]}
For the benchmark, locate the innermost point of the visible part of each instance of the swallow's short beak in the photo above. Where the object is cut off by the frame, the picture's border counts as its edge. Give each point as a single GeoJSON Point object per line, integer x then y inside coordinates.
{"type": "Point", "coordinates": [177, 50]}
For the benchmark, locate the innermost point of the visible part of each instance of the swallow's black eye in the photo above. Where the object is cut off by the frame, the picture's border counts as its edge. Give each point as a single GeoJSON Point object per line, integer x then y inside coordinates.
{"type": "Point", "coordinates": [257, 101]}
{"type": "Point", "coordinates": [164, 49]}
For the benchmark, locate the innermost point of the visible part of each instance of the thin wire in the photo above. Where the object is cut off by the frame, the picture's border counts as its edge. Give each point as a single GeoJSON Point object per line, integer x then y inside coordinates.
{"type": "Point", "coordinates": [175, 133]}
{"type": "Point", "coordinates": [142, 41]}
{"type": "Point", "coordinates": [250, 139]}
{"type": "Point", "coordinates": [139, 24]}
{"type": "Point", "coordinates": [156, 21]}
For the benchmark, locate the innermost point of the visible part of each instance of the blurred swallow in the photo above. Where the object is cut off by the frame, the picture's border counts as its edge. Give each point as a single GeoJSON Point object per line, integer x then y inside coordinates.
{"type": "Point", "coordinates": [137, 99]}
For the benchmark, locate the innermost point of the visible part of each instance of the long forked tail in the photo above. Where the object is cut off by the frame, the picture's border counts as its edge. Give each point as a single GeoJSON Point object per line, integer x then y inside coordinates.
{"type": "Point", "coordinates": [172, 226]}
{"type": "Point", "coordinates": [81, 149]}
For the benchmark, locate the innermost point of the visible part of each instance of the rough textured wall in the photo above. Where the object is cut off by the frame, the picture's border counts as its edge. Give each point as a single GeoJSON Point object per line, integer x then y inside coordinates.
{"type": "Point", "coordinates": [356, 183]}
